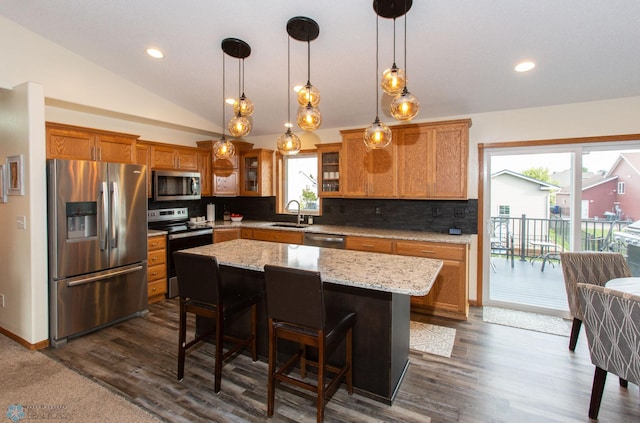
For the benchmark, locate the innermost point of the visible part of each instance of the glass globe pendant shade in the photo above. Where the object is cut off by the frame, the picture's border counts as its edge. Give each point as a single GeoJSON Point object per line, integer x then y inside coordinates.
{"type": "Point", "coordinates": [393, 80]}
{"type": "Point", "coordinates": [288, 143]}
{"type": "Point", "coordinates": [377, 135]}
{"type": "Point", "coordinates": [243, 106]}
{"type": "Point", "coordinates": [405, 106]}
{"type": "Point", "coordinates": [308, 94]}
{"type": "Point", "coordinates": [223, 149]}
{"type": "Point", "coordinates": [309, 118]}
{"type": "Point", "coordinates": [239, 126]}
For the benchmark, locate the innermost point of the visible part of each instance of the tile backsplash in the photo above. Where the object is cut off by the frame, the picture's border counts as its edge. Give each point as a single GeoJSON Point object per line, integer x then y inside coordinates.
{"type": "Point", "coordinates": [418, 215]}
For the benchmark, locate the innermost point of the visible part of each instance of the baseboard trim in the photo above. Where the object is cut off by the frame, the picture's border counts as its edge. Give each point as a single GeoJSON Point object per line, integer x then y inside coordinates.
{"type": "Point", "coordinates": [32, 347]}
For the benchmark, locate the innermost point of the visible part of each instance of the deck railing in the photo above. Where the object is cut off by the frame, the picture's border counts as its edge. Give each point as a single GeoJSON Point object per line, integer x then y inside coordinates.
{"type": "Point", "coordinates": [531, 236]}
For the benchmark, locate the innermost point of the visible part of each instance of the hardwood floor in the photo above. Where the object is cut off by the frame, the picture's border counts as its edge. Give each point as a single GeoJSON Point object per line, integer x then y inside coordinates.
{"type": "Point", "coordinates": [495, 374]}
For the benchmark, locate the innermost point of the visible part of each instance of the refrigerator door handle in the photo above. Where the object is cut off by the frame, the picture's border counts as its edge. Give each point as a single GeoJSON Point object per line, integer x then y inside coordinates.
{"type": "Point", "coordinates": [105, 216]}
{"type": "Point", "coordinates": [107, 275]}
{"type": "Point", "coordinates": [115, 217]}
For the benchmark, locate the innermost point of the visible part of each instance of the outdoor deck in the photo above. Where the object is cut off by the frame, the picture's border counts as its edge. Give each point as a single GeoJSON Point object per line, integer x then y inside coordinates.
{"type": "Point", "coordinates": [526, 285]}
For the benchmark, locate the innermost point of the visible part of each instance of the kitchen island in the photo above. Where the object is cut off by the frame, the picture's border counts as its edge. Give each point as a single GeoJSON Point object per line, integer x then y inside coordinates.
{"type": "Point", "coordinates": [376, 286]}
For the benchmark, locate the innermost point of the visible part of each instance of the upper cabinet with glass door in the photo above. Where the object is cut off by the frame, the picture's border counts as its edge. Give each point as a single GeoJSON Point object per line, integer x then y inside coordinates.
{"type": "Point", "coordinates": [329, 170]}
{"type": "Point", "coordinates": [256, 173]}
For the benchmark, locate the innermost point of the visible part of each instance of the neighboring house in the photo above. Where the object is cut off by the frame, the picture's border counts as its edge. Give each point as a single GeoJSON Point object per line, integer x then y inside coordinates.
{"type": "Point", "coordinates": [614, 194]}
{"type": "Point", "coordinates": [514, 194]}
{"type": "Point", "coordinates": [599, 197]}
{"type": "Point", "coordinates": [627, 169]}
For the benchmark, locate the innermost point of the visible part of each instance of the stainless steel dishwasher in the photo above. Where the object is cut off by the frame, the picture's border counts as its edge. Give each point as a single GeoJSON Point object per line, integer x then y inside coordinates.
{"type": "Point", "coordinates": [323, 240]}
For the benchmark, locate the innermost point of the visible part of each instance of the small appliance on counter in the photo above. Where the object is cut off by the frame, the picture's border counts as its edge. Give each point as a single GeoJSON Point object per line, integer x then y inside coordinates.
{"type": "Point", "coordinates": [211, 212]}
{"type": "Point", "coordinates": [182, 235]}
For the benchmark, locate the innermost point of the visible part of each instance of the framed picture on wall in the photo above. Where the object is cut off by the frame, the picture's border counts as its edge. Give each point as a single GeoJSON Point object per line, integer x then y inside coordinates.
{"type": "Point", "coordinates": [15, 179]}
{"type": "Point", "coordinates": [3, 184]}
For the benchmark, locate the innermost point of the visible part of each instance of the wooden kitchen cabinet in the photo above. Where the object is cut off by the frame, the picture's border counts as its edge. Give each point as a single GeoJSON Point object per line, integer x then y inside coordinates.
{"type": "Point", "coordinates": [367, 173]}
{"type": "Point", "coordinates": [449, 295]}
{"type": "Point", "coordinates": [76, 143]}
{"type": "Point", "coordinates": [273, 235]}
{"type": "Point", "coordinates": [423, 161]}
{"type": "Point", "coordinates": [225, 234]}
{"type": "Point", "coordinates": [143, 157]}
{"type": "Point", "coordinates": [372, 245]}
{"type": "Point", "coordinates": [432, 160]}
{"type": "Point", "coordinates": [168, 156]}
{"type": "Point", "coordinates": [156, 268]}
{"type": "Point", "coordinates": [206, 174]}
{"type": "Point", "coordinates": [225, 173]}
{"type": "Point", "coordinates": [329, 170]}
{"type": "Point", "coordinates": [256, 173]}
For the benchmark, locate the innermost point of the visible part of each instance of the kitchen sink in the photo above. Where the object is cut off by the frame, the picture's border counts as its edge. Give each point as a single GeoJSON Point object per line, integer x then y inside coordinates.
{"type": "Point", "coordinates": [289, 225]}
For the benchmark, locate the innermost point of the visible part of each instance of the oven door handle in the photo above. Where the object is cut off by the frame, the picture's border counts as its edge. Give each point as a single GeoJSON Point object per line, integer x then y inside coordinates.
{"type": "Point", "coordinates": [191, 233]}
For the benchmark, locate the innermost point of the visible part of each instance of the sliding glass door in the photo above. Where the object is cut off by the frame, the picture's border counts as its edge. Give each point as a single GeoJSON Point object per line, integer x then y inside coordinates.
{"type": "Point", "coordinates": [540, 201]}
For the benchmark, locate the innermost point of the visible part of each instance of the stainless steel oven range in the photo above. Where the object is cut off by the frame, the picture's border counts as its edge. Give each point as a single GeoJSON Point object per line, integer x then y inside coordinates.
{"type": "Point", "coordinates": [182, 235]}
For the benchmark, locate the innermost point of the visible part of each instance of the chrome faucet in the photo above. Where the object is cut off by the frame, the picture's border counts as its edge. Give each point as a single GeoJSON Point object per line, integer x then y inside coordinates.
{"type": "Point", "coordinates": [299, 221]}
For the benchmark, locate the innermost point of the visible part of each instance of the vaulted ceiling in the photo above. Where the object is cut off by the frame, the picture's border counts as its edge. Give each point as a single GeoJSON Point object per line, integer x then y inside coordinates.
{"type": "Point", "coordinates": [460, 54]}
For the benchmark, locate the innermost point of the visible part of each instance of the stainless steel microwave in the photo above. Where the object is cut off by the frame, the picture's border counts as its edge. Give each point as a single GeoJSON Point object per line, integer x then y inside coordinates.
{"type": "Point", "coordinates": [169, 185]}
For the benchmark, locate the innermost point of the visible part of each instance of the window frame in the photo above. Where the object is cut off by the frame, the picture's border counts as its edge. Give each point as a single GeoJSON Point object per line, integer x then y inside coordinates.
{"type": "Point", "coordinates": [281, 184]}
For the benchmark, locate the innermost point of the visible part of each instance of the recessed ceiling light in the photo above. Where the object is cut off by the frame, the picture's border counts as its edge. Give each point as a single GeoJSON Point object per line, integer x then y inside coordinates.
{"type": "Point", "coordinates": [288, 125]}
{"type": "Point", "coordinates": [230, 100]}
{"type": "Point", "coordinates": [155, 53]}
{"type": "Point", "coordinates": [524, 66]}
{"type": "Point", "coordinates": [297, 88]}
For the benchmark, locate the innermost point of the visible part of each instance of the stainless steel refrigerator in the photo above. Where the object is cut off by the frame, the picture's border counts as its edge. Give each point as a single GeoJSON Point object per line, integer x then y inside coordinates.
{"type": "Point", "coordinates": [97, 215]}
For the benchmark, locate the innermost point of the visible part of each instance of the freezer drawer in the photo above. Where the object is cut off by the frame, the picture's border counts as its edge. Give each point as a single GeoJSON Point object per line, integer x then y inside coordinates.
{"type": "Point", "coordinates": [85, 303]}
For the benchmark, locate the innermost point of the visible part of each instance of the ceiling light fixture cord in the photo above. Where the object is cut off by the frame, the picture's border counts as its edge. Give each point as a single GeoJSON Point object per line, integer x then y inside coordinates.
{"type": "Point", "coordinates": [288, 81]}
{"type": "Point", "coordinates": [308, 61]}
{"type": "Point", "coordinates": [406, 12]}
{"type": "Point", "coordinates": [394, 41]}
{"type": "Point", "coordinates": [224, 122]}
{"type": "Point", "coordinates": [376, 78]}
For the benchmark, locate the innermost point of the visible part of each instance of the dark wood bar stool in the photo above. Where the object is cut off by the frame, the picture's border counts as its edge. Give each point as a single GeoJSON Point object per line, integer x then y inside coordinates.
{"type": "Point", "coordinates": [203, 293]}
{"type": "Point", "coordinates": [297, 313]}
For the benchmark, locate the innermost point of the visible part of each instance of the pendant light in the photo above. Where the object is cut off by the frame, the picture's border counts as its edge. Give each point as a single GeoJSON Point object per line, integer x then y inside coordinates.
{"type": "Point", "coordinates": [405, 106]}
{"type": "Point", "coordinates": [288, 143]}
{"type": "Point", "coordinates": [223, 148]}
{"type": "Point", "coordinates": [377, 135]}
{"type": "Point", "coordinates": [308, 117]}
{"type": "Point", "coordinates": [393, 79]}
{"type": "Point", "coordinates": [243, 105]}
{"type": "Point", "coordinates": [239, 125]}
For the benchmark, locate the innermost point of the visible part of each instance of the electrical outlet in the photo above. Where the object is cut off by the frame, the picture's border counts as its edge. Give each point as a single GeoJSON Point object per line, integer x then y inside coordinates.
{"type": "Point", "coordinates": [1, 300]}
{"type": "Point", "coordinates": [459, 212]}
{"type": "Point", "coordinates": [378, 210]}
{"type": "Point", "coordinates": [435, 212]}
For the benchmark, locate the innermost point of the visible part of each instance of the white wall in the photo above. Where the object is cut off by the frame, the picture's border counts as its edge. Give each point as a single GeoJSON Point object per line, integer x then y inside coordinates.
{"type": "Point", "coordinates": [24, 251]}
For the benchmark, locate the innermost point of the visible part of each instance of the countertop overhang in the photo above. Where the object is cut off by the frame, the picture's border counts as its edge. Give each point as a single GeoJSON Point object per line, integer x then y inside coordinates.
{"type": "Point", "coordinates": [381, 272]}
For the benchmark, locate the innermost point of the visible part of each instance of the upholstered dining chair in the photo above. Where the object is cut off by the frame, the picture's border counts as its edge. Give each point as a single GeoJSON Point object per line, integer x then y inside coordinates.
{"type": "Point", "coordinates": [203, 292]}
{"type": "Point", "coordinates": [612, 325]}
{"type": "Point", "coordinates": [596, 268]}
{"type": "Point", "coordinates": [296, 311]}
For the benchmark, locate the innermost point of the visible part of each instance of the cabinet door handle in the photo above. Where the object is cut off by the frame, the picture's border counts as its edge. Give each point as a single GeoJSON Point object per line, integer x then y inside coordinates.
{"type": "Point", "coordinates": [154, 258]}
{"type": "Point", "coordinates": [367, 245]}
{"type": "Point", "coordinates": [428, 251]}
{"type": "Point", "coordinates": [99, 153]}
{"type": "Point", "coordinates": [154, 274]}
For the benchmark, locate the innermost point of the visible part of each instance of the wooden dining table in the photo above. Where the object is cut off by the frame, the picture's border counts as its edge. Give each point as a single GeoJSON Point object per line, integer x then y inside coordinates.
{"type": "Point", "coordinates": [630, 285]}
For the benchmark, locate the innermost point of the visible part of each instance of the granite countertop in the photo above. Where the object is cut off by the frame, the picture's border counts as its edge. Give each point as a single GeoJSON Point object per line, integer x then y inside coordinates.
{"type": "Point", "coordinates": [381, 272]}
{"type": "Point", "coordinates": [155, 232]}
{"type": "Point", "coordinates": [350, 230]}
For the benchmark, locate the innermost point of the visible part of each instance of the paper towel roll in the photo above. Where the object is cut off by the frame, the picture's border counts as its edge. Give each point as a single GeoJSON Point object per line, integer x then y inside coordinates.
{"type": "Point", "coordinates": [211, 212]}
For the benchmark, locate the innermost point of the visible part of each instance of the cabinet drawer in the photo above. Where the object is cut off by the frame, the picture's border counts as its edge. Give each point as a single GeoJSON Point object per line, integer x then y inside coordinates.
{"type": "Point", "coordinates": [374, 245]}
{"type": "Point", "coordinates": [156, 257]}
{"type": "Point", "coordinates": [156, 288]}
{"type": "Point", "coordinates": [278, 236]}
{"type": "Point", "coordinates": [156, 243]}
{"type": "Point", "coordinates": [157, 272]}
{"type": "Point", "coordinates": [221, 235]}
{"type": "Point", "coordinates": [246, 233]}
{"type": "Point", "coordinates": [431, 250]}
